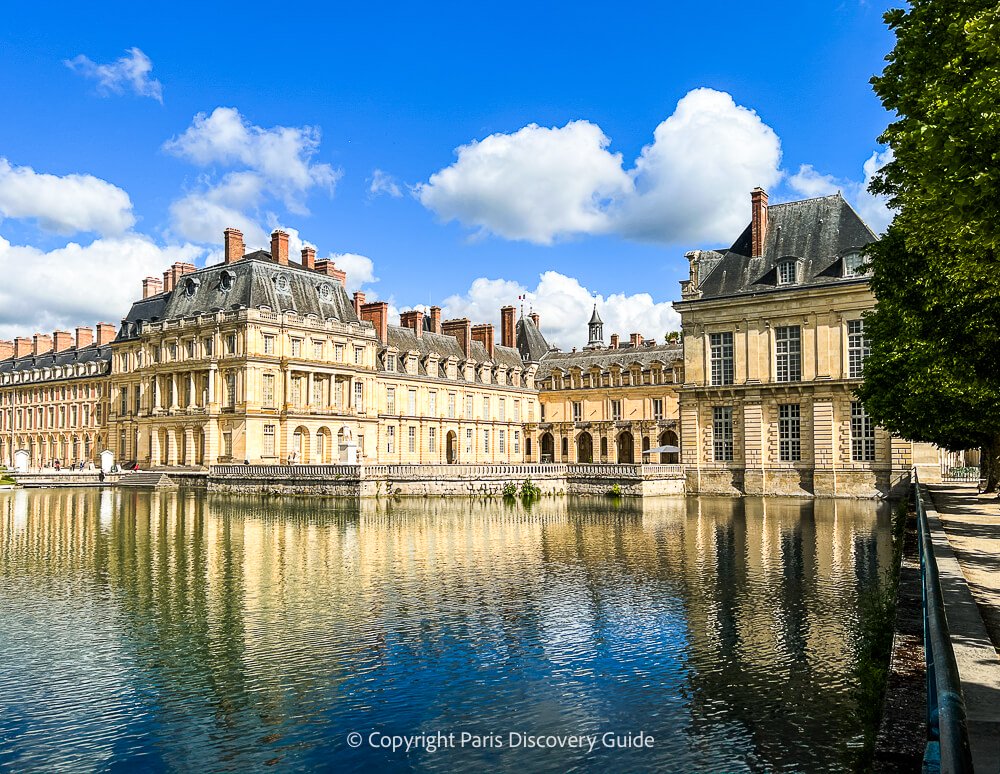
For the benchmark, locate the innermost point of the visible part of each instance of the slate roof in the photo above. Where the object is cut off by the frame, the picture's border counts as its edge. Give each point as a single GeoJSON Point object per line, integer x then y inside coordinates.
{"type": "Point", "coordinates": [531, 344]}
{"type": "Point", "coordinates": [444, 346]}
{"type": "Point", "coordinates": [101, 355]}
{"type": "Point", "coordinates": [605, 358]}
{"type": "Point", "coordinates": [254, 281]}
{"type": "Point", "coordinates": [595, 318]}
{"type": "Point", "coordinates": [818, 233]}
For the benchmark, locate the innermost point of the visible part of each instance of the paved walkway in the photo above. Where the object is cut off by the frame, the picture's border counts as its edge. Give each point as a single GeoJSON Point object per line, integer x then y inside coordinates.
{"type": "Point", "coordinates": [969, 565]}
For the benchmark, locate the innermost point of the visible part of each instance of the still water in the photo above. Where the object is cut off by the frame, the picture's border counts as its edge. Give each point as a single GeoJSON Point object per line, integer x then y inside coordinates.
{"type": "Point", "coordinates": [185, 631]}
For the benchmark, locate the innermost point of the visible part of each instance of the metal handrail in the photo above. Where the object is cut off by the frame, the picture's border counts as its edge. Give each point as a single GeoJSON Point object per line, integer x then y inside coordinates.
{"type": "Point", "coordinates": [947, 747]}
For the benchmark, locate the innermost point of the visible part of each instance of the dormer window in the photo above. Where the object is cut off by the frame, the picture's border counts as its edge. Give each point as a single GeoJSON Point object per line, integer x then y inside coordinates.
{"type": "Point", "coordinates": [226, 280]}
{"type": "Point", "coordinates": [854, 265]}
{"type": "Point", "coordinates": [786, 271]}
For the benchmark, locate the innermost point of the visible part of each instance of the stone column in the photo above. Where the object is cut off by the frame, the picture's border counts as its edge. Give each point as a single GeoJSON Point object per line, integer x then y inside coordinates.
{"type": "Point", "coordinates": [191, 397]}
{"type": "Point", "coordinates": [309, 390]}
{"type": "Point", "coordinates": [754, 449]}
{"type": "Point", "coordinates": [189, 455]}
{"type": "Point", "coordinates": [212, 397]}
{"type": "Point", "coordinates": [173, 391]}
{"type": "Point", "coordinates": [154, 447]}
{"type": "Point", "coordinates": [825, 444]}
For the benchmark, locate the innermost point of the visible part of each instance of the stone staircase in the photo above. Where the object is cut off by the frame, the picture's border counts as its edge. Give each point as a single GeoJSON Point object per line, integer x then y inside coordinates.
{"type": "Point", "coordinates": [151, 479]}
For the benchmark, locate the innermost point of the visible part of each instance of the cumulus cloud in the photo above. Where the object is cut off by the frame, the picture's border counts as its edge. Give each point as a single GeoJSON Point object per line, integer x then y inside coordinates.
{"type": "Point", "coordinates": [384, 183]}
{"type": "Point", "coordinates": [360, 269]}
{"type": "Point", "coordinates": [78, 284]}
{"type": "Point", "coordinates": [133, 72]}
{"type": "Point", "coordinates": [543, 184]}
{"type": "Point", "coordinates": [64, 204]}
{"type": "Point", "coordinates": [874, 210]}
{"type": "Point", "coordinates": [564, 306]}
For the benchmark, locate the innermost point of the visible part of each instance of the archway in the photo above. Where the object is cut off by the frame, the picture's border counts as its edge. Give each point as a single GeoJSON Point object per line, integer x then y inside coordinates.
{"type": "Point", "coordinates": [669, 438]}
{"type": "Point", "coordinates": [585, 448]}
{"type": "Point", "coordinates": [451, 447]}
{"type": "Point", "coordinates": [548, 447]}
{"type": "Point", "coordinates": [324, 446]}
{"type": "Point", "coordinates": [626, 448]}
{"type": "Point", "coordinates": [645, 444]}
{"type": "Point", "coordinates": [300, 446]}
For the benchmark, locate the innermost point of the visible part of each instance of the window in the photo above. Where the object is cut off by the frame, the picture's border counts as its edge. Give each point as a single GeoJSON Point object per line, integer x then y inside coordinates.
{"type": "Point", "coordinates": [189, 347]}
{"type": "Point", "coordinates": [317, 396]}
{"type": "Point", "coordinates": [854, 265]}
{"type": "Point", "coordinates": [411, 440]}
{"type": "Point", "coordinates": [338, 353]}
{"type": "Point", "coordinates": [268, 345]}
{"type": "Point", "coordinates": [268, 441]}
{"type": "Point", "coordinates": [267, 391]}
{"type": "Point", "coordinates": [786, 272]}
{"type": "Point", "coordinates": [411, 403]}
{"type": "Point", "coordinates": [541, 411]}
{"type": "Point", "coordinates": [390, 440]}
{"type": "Point", "coordinates": [789, 433]}
{"type": "Point", "coordinates": [359, 396]}
{"type": "Point", "coordinates": [296, 347]}
{"type": "Point", "coordinates": [207, 346]}
{"type": "Point", "coordinates": [502, 408]}
{"type": "Point", "coordinates": [517, 442]}
{"type": "Point", "coordinates": [452, 398]}
{"type": "Point", "coordinates": [173, 350]}
{"type": "Point", "coordinates": [517, 411]}
{"type": "Point", "coordinates": [124, 407]}
{"type": "Point", "coordinates": [468, 407]}
{"type": "Point", "coordinates": [390, 400]}
{"type": "Point", "coordinates": [788, 353]}
{"type": "Point", "coordinates": [862, 434]}
{"type": "Point", "coordinates": [390, 362]}
{"type": "Point", "coordinates": [721, 352]}
{"type": "Point", "coordinates": [486, 441]}
{"type": "Point", "coordinates": [486, 408]}
{"type": "Point", "coordinates": [296, 391]}
{"type": "Point", "coordinates": [616, 409]}
{"type": "Point", "coordinates": [432, 440]}
{"type": "Point", "coordinates": [577, 411]}
{"type": "Point", "coordinates": [502, 441]}
{"type": "Point", "coordinates": [858, 348]}
{"type": "Point", "coordinates": [230, 390]}
{"type": "Point", "coordinates": [722, 433]}
{"type": "Point", "coordinates": [317, 350]}
{"type": "Point", "coordinates": [432, 403]}
{"type": "Point", "coordinates": [359, 355]}
{"type": "Point", "coordinates": [468, 443]}
{"type": "Point", "coordinates": [657, 408]}
{"type": "Point", "coordinates": [231, 344]}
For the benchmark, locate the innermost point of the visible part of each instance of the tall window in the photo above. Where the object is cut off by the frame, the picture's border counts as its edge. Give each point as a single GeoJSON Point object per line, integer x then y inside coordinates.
{"type": "Point", "coordinates": [452, 398]}
{"type": "Point", "coordinates": [517, 442]}
{"type": "Point", "coordinates": [268, 441]}
{"type": "Point", "coordinates": [468, 443]}
{"type": "Point", "coordinates": [657, 408]}
{"type": "Point", "coordinates": [432, 440]}
{"type": "Point", "coordinates": [338, 353]}
{"type": "Point", "coordinates": [317, 396]}
{"type": "Point", "coordinates": [486, 441]}
{"type": "Point", "coordinates": [390, 400]}
{"type": "Point", "coordinates": [227, 444]}
{"type": "Point", "coordinates": [269, 345]}
{"type": "Point", "coordinates": [858, 348]}
{"type": "Point", "coordinates": [788, 353]}
{"type": "Point", "coordinates": [862, 434]}
{"type": "Point", "coordinates": [502, 441]}
{"type": "Point", "coordinates": [296, 347]}
{"type": "Point", "coordinates": [268, 390]}
{"type": "Point", "coordinates": [359, 355]}
{"type": "Point", "coordinates": [359, 396]}
{"type": "Point", "coordinates": [390, 439]}
{"type": "Point", "coordinates": [486, 408]}
{"type": "Point", "coordinates": [432, 403]}
{"type": "Point", "coordinates": [230, 390]}
{"type": "Point", "coordinates": [411, 439]}
{"type": "Point", "coordinates": [616, 409]}
{"type": "Point", "coordinates": [502, 409]}
{"type": "Point", "coordinates": [517, 410]}
{"type": "Point", "coordinates": [231, 343]}
{"type": "Point", "coordinates": [468, 407]}
{"type": "Point", "coordinates": [786, 272]}
{"type": "Point", "coordinates": [721, 353]}
{"type": "Point", "coordinates": [854, 265]}
{"type": "Point", "coordinates": [411, 404]}
{"type": "Point", "coordinates": [577, 411]}
{"type": "Point", "coordinates": [296, 391]}
{"type": "Point", "coordinates": [317, 350]}
{"type": "Point", "coordinates": [722, 433]}
{"type": "Point", "coordinates": [789, 433]}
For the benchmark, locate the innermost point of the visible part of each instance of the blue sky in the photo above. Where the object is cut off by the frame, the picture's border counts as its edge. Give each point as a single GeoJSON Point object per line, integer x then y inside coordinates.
{"type": "Point", "coordinates": [342, 123]}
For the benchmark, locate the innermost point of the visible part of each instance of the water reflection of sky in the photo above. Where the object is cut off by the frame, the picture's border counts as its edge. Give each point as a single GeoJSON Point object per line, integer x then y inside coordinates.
{"type": "Point", "coordinates": [180, 631]}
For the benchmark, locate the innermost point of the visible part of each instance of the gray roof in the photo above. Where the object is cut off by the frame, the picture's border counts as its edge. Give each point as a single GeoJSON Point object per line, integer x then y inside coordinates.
{"type": "Point", "coordinates": [101, 355]}
{"type": "Point", "coordinates": [595, 318]}
{"type": "Point", "coordinates": [530, 341]}
{"type": "Point", "coordinates": [818, 233]}
{"type": "Point", "coordinates": [254, 281]}
{"type": "Point", "coordinates": [444, 346]}
{"type": "Point", "coordinates": [605, 358]}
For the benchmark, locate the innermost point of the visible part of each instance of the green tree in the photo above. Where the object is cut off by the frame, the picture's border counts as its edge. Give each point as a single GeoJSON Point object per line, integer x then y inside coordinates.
{"type": "Point", "coordinates": [934, 373]}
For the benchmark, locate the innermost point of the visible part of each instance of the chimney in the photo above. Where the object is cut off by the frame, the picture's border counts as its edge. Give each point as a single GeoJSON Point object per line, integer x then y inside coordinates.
{"type": "Point", "coordinates": [536, 320]}
{"type": "Point", "coordinates": [484, 335]}
{"type": "Point", "coordinates": [614, 341]}
{"type": "Point", "coordinates": [279, 246]}
{"type": "Point", "coordinates": [461, 329]}
{"type": "Point", "coordinates": [178, 270]}
{"type": "Point", "coordinates": [359, 301]}
{"type": "Point", "coordinates": [6, 350]}
{"type": "Point", "coordinates": [168, 281]}
{"type": "Point", "coordinates": [758, 221]}
{"type": "Point", "coordinates": [414, 320]}
{"type": "Point", "coordinates": [22, 346]}
{"type": "Point", "coordinates": [234, 244]}
{"type": "Point", "coordinates": [42, 343]}
{"type": "Point", "coordinates": [377, 313]}
{"type": "Point", "coordinates": [151, 286]}
{"type": "Point", "coordinates": [635, 340]}
{"type": "Point", "coordinates": [435, 319]}
{"type": "Point", "coordinates": [507, 326]}
{"type": "Point", "coordinates": [309, 258]}
{"type": "Point", "coordinates": [328, 268]}
{"type": "Point", "coordinates": [84, 337]}
{"type": "Point", "coordinates": [62, 340]}
{"type": "Point", "coordinates": [105, 333]}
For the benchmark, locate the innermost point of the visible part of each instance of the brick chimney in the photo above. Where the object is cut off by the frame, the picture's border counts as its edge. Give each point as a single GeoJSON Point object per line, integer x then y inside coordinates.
{"type": "Point", "coordinates": [309, 258]}
{"type": "Point", "coordinates": [506, 326]}
{"type": "Point", "coordinates": [635, 339]}
{"type": "Point", "coordinates": [279, 246]}
{"type": "Point", "coordinates": [41, 344]}
{"type": "Point", "coordinates": [414, 320]}
{"type": "Point", "coordinates": [614, 341]}
{"type": "Point", "coordinates": [168, 281]}
{"type": "Point", "coordinates": [359, 301]}
{"type": "Point", "coordinates": [151, 286]}
{"type": "Point", "coordinates": [84, 337]}
{"type": "Point", "coordinates": [62, 340]}
{"type": "Point", "coordinates": [22, 346]}
{"type": "Point", "coordinates": [536, 320]}
{"type": "Point", "coordinates": [435, 319]}
{"type": "Point", "coordinates": [6, 350]}
{"type": "Point", "coordinates": [105, 333]}
{"type": "Point", "coordinates": [484, 335]}
{"type": "Point", "coordinates": [233, 238]}
{"type": "Point", "coordinates": [327, 267]}
{"type": "Point", "coordinates": [178, 270]}
{"type": "Point", "coordinates": [758, 221]}
{"type": "Point", "coordinates": [461, 329]}
{"type": "Point", "coordinates": [377, 313]}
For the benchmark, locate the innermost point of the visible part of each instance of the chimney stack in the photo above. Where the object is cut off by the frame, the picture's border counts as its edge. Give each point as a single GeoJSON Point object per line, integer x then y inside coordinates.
{"type": "Point", "coordinates": [435, 319]}
{"type": "Point", "coordinates": [359, 301]}
{"type": "Point", "coordinates": [461, 329]}
{"type": "Point", "coordinates": [309, 258]}
{"type": "Point", "coordinates": [84, 337]}
{"type": "Point", "coordinates": [536, 320]}
{"type": "Point", "coordinates": [41, 344]}
{"type": "Point", "coordinates": [484, 335]}
{"type": "Point", "coordinates": [168, 281]}
{"type": "Point", "coordinates": [614, 341]}
{"type": "Point", "coordinates": [377, 313]}
{"type": "Point", "coordinates": [279, 246]}
{"type": "Point", "coordinates": [105, 333]}
{"type": "Point", "coordinates": [414, 320]}
{"type": "Point", "coordinates": [758, 221]}
{"type": "Point", "coordinates": [6, 349]}
{"type": "Point", "coordinates": [233, 238]}
{"type": "Point", "coordinates": [328, 268]}
{"type": "Point", "coordinates": [178, 270]}
{"type": "Point", "coordinates": [635, 340]}
{"type": "Point", "coordinates": [151, 286]}
{"type": "Point", "coordinates": [507, 326]}
{"type": "Point", "coordinates": [61, 341]}
{"type": "Point", "coordinates": [22, 346]}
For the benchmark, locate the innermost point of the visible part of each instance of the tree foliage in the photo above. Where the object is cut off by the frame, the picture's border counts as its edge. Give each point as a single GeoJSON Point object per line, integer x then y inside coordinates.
{"type": "Point", "coordinates": [934, 373]}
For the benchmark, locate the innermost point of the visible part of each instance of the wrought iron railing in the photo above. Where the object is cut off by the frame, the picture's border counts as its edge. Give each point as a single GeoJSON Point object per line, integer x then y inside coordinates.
{"type": "Point", "coordinates": [947, 747]}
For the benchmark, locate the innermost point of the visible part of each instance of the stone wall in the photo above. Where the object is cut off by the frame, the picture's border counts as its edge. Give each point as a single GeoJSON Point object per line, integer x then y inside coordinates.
{"type": "Point", "coordinates": [805, 482]}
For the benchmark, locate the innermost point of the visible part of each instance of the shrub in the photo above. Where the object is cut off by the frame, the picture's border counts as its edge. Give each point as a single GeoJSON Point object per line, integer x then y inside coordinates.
{"type": "Point", "coordinates": [509, 491]}
{"type": "Point", "coordinates": [529, 490]}
{"type": "Point", "coordinates": [615, 491]}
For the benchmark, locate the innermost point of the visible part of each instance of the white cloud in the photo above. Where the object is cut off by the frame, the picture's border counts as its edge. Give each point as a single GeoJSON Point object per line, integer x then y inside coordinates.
{"type": "Point", "coordinates": [874, 210]}
{"type": "Point", "coordinates": [130, 73]}
{"type": "Point", "coordinates": [543, 184]}
{"type": "Point", "coordinates": [64, 205]}
{"type": "Point", "coordinates": [810, 183]}
{"type": "Point", "coordinates": [78, 284]}
{"type": "Point", "coordinates": [564, 306]}
{"type": "Point", "coordinates": [384, 183]}
{"type": "Point", "coordinates": [204, 214]}
{"type": "Point", "coordinates": [360, 269]}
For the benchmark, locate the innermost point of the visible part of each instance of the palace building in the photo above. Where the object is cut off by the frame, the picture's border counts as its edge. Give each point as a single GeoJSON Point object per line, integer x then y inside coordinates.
{"type": "Point", "coordinates": [774, 345]}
